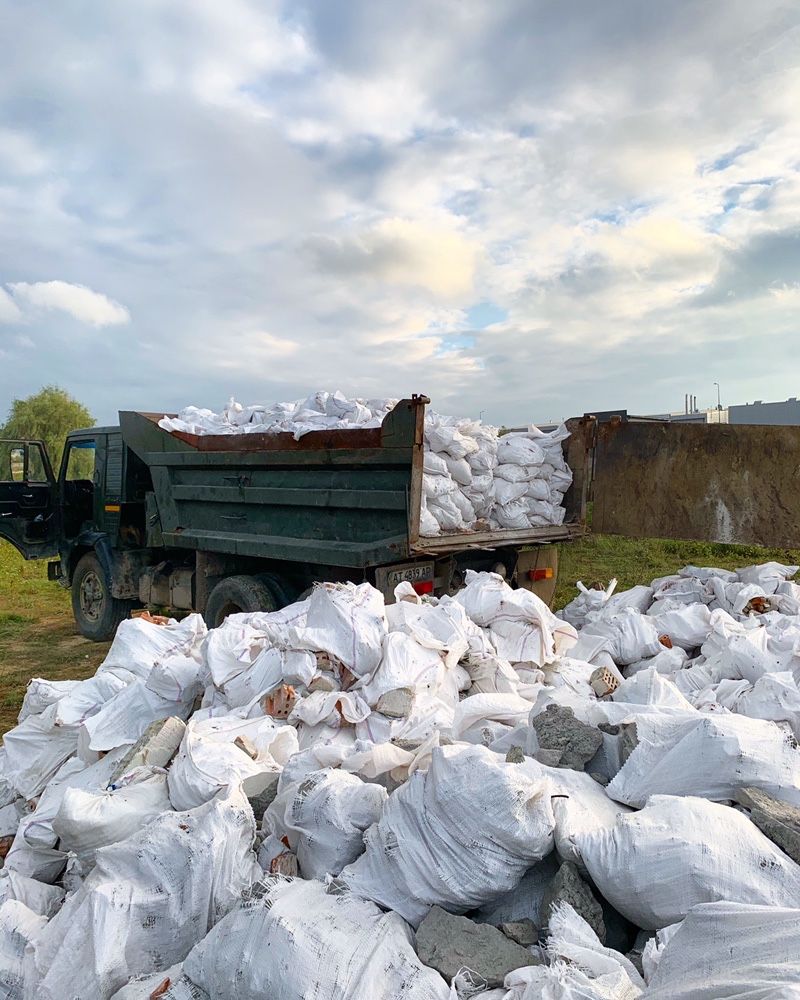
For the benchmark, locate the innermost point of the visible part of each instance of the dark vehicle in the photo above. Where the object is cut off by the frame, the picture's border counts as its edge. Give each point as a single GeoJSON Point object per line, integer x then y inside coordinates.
{"type": "Point", "coordinates": [139, 516]}
{"type": "Point", "coordinates": [221, 524]}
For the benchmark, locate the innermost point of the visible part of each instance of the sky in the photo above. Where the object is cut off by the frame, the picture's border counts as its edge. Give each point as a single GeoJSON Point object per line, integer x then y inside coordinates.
{"type": "Point", "coordinates": [522, 208]}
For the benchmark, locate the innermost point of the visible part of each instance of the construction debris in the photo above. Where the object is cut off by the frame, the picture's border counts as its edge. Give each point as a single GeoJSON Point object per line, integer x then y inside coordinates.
{"type": "Point", "coordinates": [473, 475]}
{"type": "Point", "coordinates": [465, 797]}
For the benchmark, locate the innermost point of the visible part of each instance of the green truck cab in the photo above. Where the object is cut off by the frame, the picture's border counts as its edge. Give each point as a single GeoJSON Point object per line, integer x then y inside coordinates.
{"type": "Point", "coordinates": [137, 516]}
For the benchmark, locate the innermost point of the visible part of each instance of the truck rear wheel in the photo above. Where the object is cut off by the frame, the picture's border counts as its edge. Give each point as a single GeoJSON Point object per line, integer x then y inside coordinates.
{"type": "Point", "coordinates": [235, 595]}
{"type": "Point", "coordinates": [97, 612]}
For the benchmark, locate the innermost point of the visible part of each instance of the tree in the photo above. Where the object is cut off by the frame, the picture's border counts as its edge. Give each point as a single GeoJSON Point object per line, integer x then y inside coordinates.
{"type": "Point", "coordinates": [49, 415]}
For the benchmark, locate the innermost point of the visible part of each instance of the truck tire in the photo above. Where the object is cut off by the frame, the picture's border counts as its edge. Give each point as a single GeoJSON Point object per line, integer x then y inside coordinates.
{"type": "Point", "coordinates": [237, 594]}
{"type": "Point", "coordinates": [97, 612]}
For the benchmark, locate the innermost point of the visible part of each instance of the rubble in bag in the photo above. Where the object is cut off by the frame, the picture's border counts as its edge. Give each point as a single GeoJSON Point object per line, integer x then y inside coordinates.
{"type": "Point", "coordinates": [322, 818]}
{"type": "Point", "coordinates": [292, 939]}
{"type": "Point", "coordinates": [656, 864]}
{"type": "Point", "coordinates": [730, 949]}
{"type": "Point", "coordinates": [468, 766]}
{"type": "Point", "coordinates": [148, 900]}
{"type": "Point", "coordinates": [19, 926]}
{"type": "Point", "coordinates": [432, 846]}
{"type": "Point", "coordinates": [472, 475]}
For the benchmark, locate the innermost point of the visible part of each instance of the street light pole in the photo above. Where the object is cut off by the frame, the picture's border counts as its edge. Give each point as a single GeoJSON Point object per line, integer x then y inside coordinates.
{"type": "Point", "coordinates": [719, 405]}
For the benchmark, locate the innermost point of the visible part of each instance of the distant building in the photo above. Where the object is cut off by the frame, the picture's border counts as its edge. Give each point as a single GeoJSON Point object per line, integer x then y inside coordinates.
{"type": "Point", "coordinates": [786, 412]}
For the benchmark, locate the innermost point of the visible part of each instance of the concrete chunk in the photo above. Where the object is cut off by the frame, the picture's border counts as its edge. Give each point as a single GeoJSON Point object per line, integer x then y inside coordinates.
{"type": "Point", "coordinates": [155, 748]}
{"type": "Point", "coordinates": [524, 932]}
{"type": "Point", "coordinates": [775, 818]}
{"type": "Point", "coordinates": [396, 704]}
{"type": "Point", "coordinates": [569, 887]}
{"type": "Point", "coordinates": [449, 943]}
{"type": "Point", "coordinates": [557, 729]}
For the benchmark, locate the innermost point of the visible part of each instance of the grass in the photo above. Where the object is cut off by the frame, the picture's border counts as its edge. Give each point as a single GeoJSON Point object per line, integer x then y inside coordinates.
{"type": "Point", "coordinates": [38, 637]}
{"type": "Point", "coordinates": [598, 558]}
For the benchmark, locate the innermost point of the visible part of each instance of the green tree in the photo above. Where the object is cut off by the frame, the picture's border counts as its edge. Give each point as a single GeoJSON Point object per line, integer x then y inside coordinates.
{"type": "Point", "coordinates": [49, 415]}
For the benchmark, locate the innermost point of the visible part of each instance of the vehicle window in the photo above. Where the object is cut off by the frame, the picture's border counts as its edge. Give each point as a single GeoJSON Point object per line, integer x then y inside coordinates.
{"type": "Point", "coordinates": [12, 463]}
{"type": "Point", "coordinates": [36, 471]}
{"type": "Point", "coordinates": [80, 461]}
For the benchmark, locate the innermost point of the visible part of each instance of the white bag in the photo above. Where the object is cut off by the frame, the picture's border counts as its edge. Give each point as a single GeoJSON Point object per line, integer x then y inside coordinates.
{"type": "Point", "coordinates": [138, 644]}
{"type": "Point", "coordinates": [433, 846]}
{"type": "Point", "coordinates": [709, 756]}
{"type": "Point", "coordinates": [519, 449]}
{"type": "Point", "coordinates": [631, 635]}
{"type": "Point", "coordinates": [87, 820]}
{"type": "Point", "coordinates": [41, 693]}
{"type": "Point", "coordinates": [348, 621]}
{"type": "Point", "coordinates": [768, 575]}
{"type": "Point", "coordinates": [293, 940]}
{"type": "Point", "coordinates": [19, 926]}
{"type": "Point", "coordinates": [323, 818]}
{"type": "Point", "coordinates": [149, 899]}
{"type": "Point", "coordinates": [208, 759]}
{"type": "Point", "coordinates": [731, 950]}
{"type": "Point", "coordinates": [521, 626]}
{"type": "Point", "coordinates": [656, 864]}
{"type": "Point", "coordinates": [42, 899]}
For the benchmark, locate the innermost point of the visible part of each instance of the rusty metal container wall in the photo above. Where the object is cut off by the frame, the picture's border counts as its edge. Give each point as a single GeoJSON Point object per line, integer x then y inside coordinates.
{"type": "Point", "coordinates": [723, 483]}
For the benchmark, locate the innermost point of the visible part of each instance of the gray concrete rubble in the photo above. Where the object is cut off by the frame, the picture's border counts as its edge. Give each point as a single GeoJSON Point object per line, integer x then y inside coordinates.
{"type": "Point", "coordinates": [524, 932]}
{"type": "Point", "coordinates": [778, 820]}
{"type": "Point", "coordinates": [559, 731]}
{"type": "Point", "coordinates": [449, 943]}
{"type": "Point", "coordinates": [569, 887]}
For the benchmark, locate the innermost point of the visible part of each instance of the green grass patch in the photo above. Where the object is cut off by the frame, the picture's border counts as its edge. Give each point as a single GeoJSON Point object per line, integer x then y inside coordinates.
{"type": "Point", "coordinates": [38, 637]}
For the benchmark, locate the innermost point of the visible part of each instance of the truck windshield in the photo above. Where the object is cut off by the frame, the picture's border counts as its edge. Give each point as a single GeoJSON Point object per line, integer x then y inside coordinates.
{"type": "Point", "coordinates": [80, 461]}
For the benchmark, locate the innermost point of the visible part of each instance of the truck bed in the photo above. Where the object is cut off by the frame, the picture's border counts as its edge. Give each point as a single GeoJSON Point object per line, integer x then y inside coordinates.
{"type": "Point", "coordinates": [346, 498]}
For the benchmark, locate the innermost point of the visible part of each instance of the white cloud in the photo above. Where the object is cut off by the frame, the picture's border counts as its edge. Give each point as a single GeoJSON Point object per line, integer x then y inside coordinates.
{"type": "Point", "coordinates": [78, 301]}
{"type": "Point", "coordinates": [302, 194]}
{"type": "Point", "coordinates": [9, 310]}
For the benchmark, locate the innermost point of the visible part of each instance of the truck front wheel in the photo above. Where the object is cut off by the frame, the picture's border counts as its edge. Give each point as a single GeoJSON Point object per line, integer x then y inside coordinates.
{"type": "Point", "coordinates": [97, 612]}
{"type": "Point", "coordinates": [235, 595]}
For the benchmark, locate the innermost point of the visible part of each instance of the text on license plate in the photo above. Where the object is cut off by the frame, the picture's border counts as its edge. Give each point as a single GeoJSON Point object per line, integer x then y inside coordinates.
{"type": "Point", "coordinates": [416, 573]}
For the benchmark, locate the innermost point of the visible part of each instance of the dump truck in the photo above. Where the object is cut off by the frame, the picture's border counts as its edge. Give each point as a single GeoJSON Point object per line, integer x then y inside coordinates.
{"type": "Point", "coordinates": [139, 516]}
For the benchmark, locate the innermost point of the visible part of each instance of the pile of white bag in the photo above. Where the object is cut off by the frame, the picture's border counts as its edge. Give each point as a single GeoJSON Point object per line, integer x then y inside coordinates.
{"type": "Point", "coordinates": [473, 475]}
{"type": "Point", "coordinates": [332, 774]}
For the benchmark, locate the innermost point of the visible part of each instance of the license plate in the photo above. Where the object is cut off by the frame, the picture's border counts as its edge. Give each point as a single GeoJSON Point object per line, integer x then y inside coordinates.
{"type": "Point", "coordinates": [388, 577]}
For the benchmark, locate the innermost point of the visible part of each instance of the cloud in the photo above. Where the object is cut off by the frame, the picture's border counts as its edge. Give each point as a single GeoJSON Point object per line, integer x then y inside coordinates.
{"type": "Point", "coordinates": [403, 253]}
{"type": "Point", "coordinates": [78, 301]}
{"type": "Point", "coordinates": [288, 196]}
{"type": "Point", "coordinates": [9, 310]}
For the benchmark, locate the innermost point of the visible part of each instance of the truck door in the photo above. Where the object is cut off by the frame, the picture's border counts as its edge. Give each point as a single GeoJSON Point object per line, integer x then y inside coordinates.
{"type": "Point", "coordinates": [732, 483]}
{"type": "Point", "coordinates": [27, 499]}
